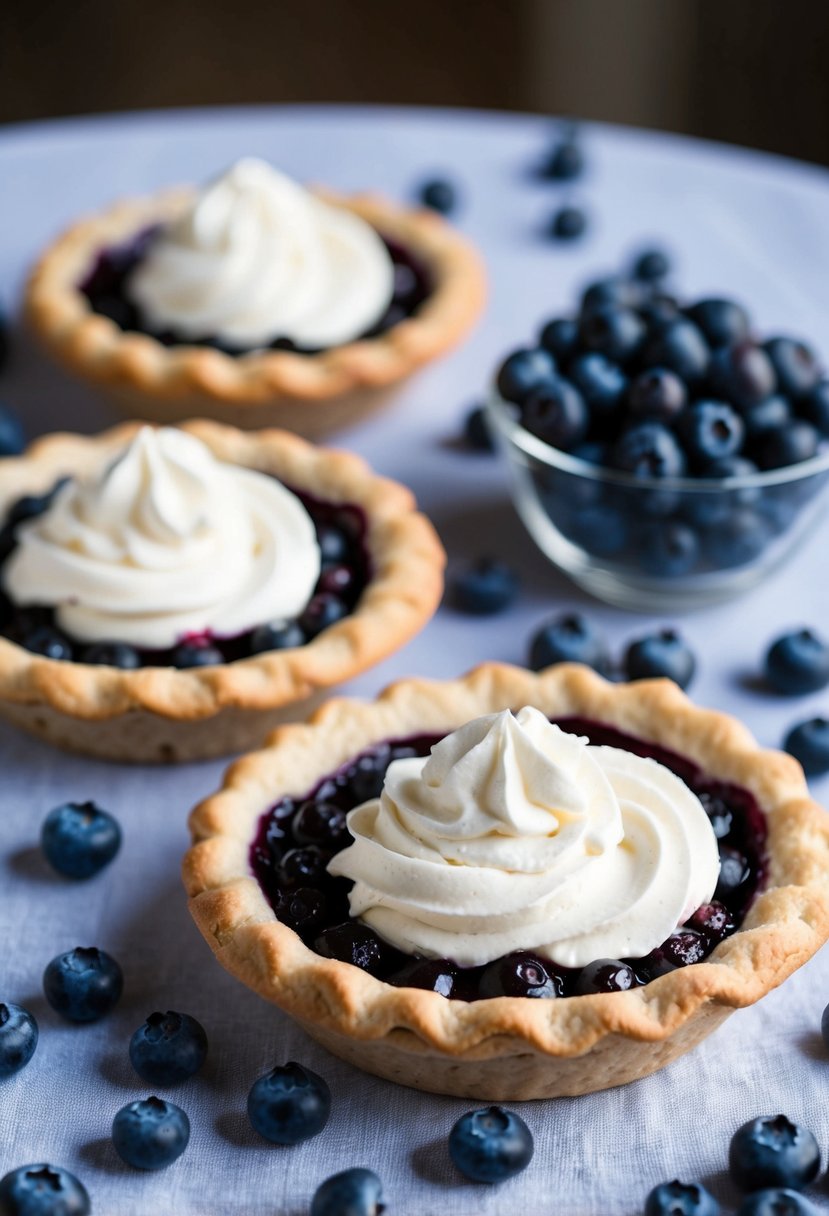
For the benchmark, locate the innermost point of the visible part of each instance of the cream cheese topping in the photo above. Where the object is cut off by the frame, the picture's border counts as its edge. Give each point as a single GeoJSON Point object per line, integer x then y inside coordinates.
{"type": "Point", "coordinates": [514, 835]}
{"type": "Point", "coordinates": [258, 257]}
{"type": "Point", "coordinates": [167, 542]}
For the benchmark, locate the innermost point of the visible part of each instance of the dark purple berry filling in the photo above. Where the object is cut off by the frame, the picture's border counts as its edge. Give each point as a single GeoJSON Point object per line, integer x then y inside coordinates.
{"type": "Point", "coordinates": [298, 836]}
{"type": "Point", "coordinates": [105, 289]}
{"type": "Point", "coordinates": [346, 571]}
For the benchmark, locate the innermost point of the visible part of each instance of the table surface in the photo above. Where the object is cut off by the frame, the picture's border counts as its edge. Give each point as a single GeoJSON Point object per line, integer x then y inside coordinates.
{"type": "Point", "coordinates": [736, 222]}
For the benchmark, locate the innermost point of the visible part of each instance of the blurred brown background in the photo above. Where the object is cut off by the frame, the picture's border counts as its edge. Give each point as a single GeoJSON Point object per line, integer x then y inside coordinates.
{"type": "Point", "coordinates": [749, 71]}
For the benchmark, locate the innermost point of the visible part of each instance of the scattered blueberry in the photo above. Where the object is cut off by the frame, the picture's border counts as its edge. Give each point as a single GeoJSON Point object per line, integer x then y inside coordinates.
{"type": "Point", "coordinates": [795, 365]}
{"type": "Point", "coordinates": [776, 1201]}
{"type": "Point", "coordinates": [605, 975]}
{"type": "Point", "coordinates": [556, 413]}
{"type": "Point", "coordinates": [197, 654]}
{"type": "Point", "coordinates": [797, 662]}
{"type": "Point", "coordinates": [518, 974]}
{"type": "Point", "coordinates": [79, 839]}
{"type": "Point", "coordinates": [773, 1152]}
{"type": "Point", "coordinates": [289, 1104]}
{"type": "Point", "coordinates": [568, 639]}
{"type": "Point", "coordinates": [660, 654]}
{"type": "Point", "coordinates": [651, 265]}
{"type": "Point", "coordinates": [277, 635]}
{"type": "Point", "coordinates": [722, 322]}
{"type": "Point", "coordinates": [649, 450]}
{"type": "Point", "coordinates": [560, 338]}
{"type": "Point", "coordinates": [657, 393]}
{"type": "Point", "coordinates": [568, 223]}
{"type": "Point", "coordinates": [43, 1190]}
{"type": "Point", "coordinates": [681, 1199]}
{"type": "Point", "coordinates": [439, 194]}
{"type": "Point", "coordinates": [566, 161]}
{"type": "Point", "coordinates": [490, 1145]}
{"type": "Point", "coordinates": [524, 370]}
{"type": "Point", "coordinates": [112, 654]}
{"type": "Point", "coordinates": [18, 1038]}
{"type": "Point", "coordinates": [486, 587]}
{"type": "Point", "coordinates": [354, 1192]}
{"type": "Point", "coordinates": [83, 985]}
{"type": "Point", "coordinates": [808, 742]}
{"type": "Point", "coordinates": [711, 430]}
{"type": "Point", "coordinates": [12, 435]}
{"type": "Point", "coordinates": [168, 1048]}
{"type": "Point", "coordinates": [476, 430]}
{"type": "Point", "coordinates": [150, 1134]}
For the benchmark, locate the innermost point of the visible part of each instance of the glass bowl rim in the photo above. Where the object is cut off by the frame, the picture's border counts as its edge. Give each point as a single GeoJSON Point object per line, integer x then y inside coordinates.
{"type": "Point", "coordinates": [500, 412]}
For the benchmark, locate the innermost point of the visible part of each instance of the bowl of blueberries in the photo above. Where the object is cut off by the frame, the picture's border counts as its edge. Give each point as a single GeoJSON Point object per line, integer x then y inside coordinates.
{"type": "Point", "coordinates": [663, 454]}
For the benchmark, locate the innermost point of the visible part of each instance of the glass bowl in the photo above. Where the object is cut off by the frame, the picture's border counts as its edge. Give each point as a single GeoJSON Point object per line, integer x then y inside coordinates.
{"type": "Point", "coordinates": [657, 544]}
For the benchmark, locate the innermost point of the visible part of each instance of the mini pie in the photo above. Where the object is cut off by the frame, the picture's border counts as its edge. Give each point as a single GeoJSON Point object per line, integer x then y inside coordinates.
{"type": "Point", "coordinates": [192, 703]}
{"type": "Point", "coordinates": [511, 1047]}
{"type": "Point", "coordinates": [168, 380]}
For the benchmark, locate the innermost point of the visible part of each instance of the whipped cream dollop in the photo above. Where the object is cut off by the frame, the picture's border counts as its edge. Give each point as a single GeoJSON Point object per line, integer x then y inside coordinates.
{"type": "Point", "coordinates": [514, 835]}
{"type": "Point", "coordinates": [256, 257]}
{"type": "Point", "coordinates": [167, 542]}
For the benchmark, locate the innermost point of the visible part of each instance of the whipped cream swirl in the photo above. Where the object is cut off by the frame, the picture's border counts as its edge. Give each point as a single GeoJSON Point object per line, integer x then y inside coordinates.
{"type": "Point", "coordinates": [257, 257]}
{"type": "Point", "coordinates": [166, 543]}
{"type": "Point", "coordinates": [514, 835]}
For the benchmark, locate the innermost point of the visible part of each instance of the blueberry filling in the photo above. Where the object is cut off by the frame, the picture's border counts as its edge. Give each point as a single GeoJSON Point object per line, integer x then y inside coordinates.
{"type": "Point", "coordinates": [104, 288]}
{"type": "Point", "coordinates": [346, 570]}
{"type": "Point", "coordinates": [298, 836]}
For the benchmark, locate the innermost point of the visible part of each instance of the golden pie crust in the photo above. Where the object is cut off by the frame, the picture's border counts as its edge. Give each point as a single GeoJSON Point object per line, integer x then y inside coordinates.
{"type": "Point", "coordinates": [309, 394]}
{"type": "Point", "coordinates": [509, 1048]}
{"type": "Point", "coordinates": [165, 713]}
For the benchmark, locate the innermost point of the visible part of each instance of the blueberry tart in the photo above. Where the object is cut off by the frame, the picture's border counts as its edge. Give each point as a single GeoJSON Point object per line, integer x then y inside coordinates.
{"type": "Point", "coordinates": [173, 593]}
{"type": "Point", "coordinates": [512, 886]}
{"type": "Point", "coordinates": [253, 301]}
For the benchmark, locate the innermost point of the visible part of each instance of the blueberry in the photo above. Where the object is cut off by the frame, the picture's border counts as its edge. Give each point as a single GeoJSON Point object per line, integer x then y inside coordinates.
{"type": "Point", "coordinates": [742, 373]}
{"type": "Point", "coordinates": [432, 974]}
{"type": "Point", "coordinates": [354, 943]}
{"type": "Point", "coordinates": [808, 742]}
{"type": "Point", "coordinates": [277, 635]}
{"type": "Point", "coordinates": [322, 824]}
{"type": "Point", "coordinates": [787, 445]}
{"type": "Point", "coordinates": [556, 413]}
{"type": "Point", "coordinates": [522, 371]}
{"type": "Point", "coordinates": [722, 322]}
{"type": "Point", "coordinates": [476, 430]}
{"type": "Point", "coordinates": [150, 1135]}
{"type": "Point", "coordinates": [289, 1104]}
{"type": "Point", "coordinates": [738, 540]}
{"type": "Point", "coordinates": [734, 874]}
{"type": "Point", "coordinates": [112, 654]}
{"type": "Point", "coordinates": [795, 365]}
{"type": "Point", "coordinates": [568, 639]}
{"type": "Point", "coordinates": [333, 544]}
{"type": "Point", "coordinates": [712, 920]}
{"type": "Point", "coordinates": [601, 529]}
{"type": "Point", "coordinates": [321, 611]}
{"type": "Point", "coordinates": [662, 654]}
{"type": "Point", "coordinates": [43, 1190]}
{"type": "Point", "coordinates": [486, 587]}
{"type": "Point", "coordinates": [651, 265]}
{"type": "Point", "coordinates": [4, 341]}
{"type": "Point", "coordinates": [797, 662]}
{"type": "Point", "coordinates": [12, 435]}
{"type": "Point", "coordinates": [48, 642]}
{"type": "Point", "coordinates": [592, 452]}
{"type": "Point", "coordinates": [719, 814]}
{"type": "Point", "coordinates": [439, 194]}
{"type": "Point", "coordinates": [824, 1026]}
{"type": "Point", "coordinates": [518, 974]}
{"type": "Point", "coordinates": [302, 867]}
{"type": "Point", "coordinates": [364, 777]}
{"type": "Point", "coordinates": [565, 162]}
{"type": "Point", "coordinates": [196, 654]}
{"type": "Point", "coordinates": [658, 311]}
{"type": "Point", "coordinates": [354, 1192]}
{"type": "Point", "coordinates": [768, 415]}
{"type": "Point", "coordinates": [18, 1038]}
{"type": "Point", "coordinates": [679, 347]}
{"type": "Point", "coordinates": [814, 407]}
{"type": "Point", "coordinates": [83, 985]}
{"type": "Point", "coordinates": [711, 430]}
{"type": "Point", "coordinates": [684, 947]}
{"type": "Point", "coordinates": [669, 549]}
{"type": "Point", "coordinates": [605, 975]}
{"type": "Point", "coordinates": [613, 290]}
{"type": "Point", "coordinates": [303, 909]}
{"type": "Point", "coordinates": [657, 393]}
{"type": "Point", "coordinates": [681, 1199]}
{"type": "Point", "coordinates": [776, 1201]}
{"type": "Point", "coordinates": [560, 337]}
{"type": "Point", "coordinates": [568, 223]}
{"type": "Point", "coordinates": [600, 382]}
{"type": "Point", "coordinates": [79, 839]}
{"type": "Point", "coordinates": [649, 450]}
{"type": "Point", "coordinates": [490, 1145]}
{"type": "Point", "coordinates": [168, 1048]}
{"type": "Point", "coordinates": [772, 1151]}
{"type": "Point", "coordinates": [612, 331]}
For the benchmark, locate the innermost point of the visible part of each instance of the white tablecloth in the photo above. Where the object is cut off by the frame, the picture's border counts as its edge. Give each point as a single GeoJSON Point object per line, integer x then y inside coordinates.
{"type": "Point", "coordinates": [737, 222]}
